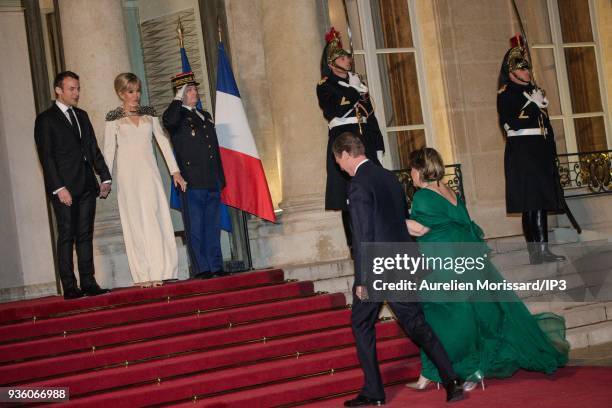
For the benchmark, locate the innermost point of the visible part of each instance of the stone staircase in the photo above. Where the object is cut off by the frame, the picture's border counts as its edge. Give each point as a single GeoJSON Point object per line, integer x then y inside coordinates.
{"type": "Point", "coordinates": [588, 322]}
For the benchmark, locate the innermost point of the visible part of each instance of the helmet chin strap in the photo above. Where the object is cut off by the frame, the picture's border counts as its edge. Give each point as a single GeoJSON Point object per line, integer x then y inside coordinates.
{"type": "Point", "coordinates": [519, 79]}
{"type": "Point", "coordinates": [333, 64]}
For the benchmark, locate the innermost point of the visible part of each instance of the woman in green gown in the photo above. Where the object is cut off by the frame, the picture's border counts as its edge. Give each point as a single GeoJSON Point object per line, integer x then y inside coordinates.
{"type": "Point", "coordinates": [485, 338]}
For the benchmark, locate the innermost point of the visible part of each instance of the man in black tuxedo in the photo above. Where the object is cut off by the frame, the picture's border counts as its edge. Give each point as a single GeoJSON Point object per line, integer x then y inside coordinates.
{"type": "Point", "coordinates": [69, 154]}
{"type": "Point", "coordinates": [378, 210]}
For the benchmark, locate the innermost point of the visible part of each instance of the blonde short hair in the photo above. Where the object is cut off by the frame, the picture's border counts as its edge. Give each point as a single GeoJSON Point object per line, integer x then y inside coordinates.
{"type": "Point", "coordinates": [126, 81]}
{"type": "Point", "coordinates": [428, 163]}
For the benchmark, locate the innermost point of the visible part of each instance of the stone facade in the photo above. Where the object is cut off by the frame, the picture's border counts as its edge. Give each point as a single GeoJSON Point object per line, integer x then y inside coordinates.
{"type": "Point", "coordinates": [275, 51]}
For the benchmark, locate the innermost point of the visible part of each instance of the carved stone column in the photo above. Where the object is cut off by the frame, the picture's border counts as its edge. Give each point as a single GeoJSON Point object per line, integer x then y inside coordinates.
{"type": "Point", "coordinates": [292, 43]}
{"type": "Point", "coordinates": [95, 47]}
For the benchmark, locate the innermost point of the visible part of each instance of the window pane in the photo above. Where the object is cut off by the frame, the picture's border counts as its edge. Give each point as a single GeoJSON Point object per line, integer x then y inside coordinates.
{"type": "Point", "coordinates": [545, 72]}
{"type": "Point", "coordinates": [337, 19]}
{"type": "Point", "coordinates": [583, 81]}
{"type": "Point", "coordinates": [391, 23]}
{"type": "Point", "coordinates": [408, 141]}
{"type": "Point", "coordinates": [575, 21]}
{"type": "Point", "coordinates": [400, 89]}
{"type": "Point", "coordinates": [535, 17]}
{"type": "Point", "coordinates": [590, 134]}
{"type": "Point", "coordinates": [557, 126]}
{"type": "Point", "coordinates": [360, 67]}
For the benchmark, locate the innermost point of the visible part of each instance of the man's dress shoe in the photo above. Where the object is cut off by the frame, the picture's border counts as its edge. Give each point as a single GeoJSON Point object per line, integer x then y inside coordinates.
{"type": "Point", "coordinates": [361, 401]}
{"type": "Point", "coordinates": [94, 291]}
{"type": "Point", "coordinates": [73, 294]}
{"type": "Point", "coordinates": [454, 391]}
{"type": "Point", "coordinates": [220, 273]}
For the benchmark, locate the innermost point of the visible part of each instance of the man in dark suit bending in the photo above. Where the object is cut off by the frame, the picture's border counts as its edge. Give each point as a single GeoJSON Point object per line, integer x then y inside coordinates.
{"type": "Point", "coordinates": [69, 155]}
{"type": "Point", "coordinates": [378, 210]}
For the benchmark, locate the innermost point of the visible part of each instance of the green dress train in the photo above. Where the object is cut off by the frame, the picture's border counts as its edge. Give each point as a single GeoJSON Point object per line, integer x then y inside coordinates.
{"type": "Point", "coordinates": [490, 339]}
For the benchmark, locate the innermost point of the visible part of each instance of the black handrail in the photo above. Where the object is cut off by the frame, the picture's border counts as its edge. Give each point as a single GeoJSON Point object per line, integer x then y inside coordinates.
{"type": "Point", "coordinates": [585, 173]}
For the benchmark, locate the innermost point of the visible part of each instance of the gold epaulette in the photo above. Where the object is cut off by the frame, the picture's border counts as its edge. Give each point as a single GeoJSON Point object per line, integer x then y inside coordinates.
{"type": "Point", "coordinates": [322, 81]}
{"type": "Point", "coordinates": [502, 89]}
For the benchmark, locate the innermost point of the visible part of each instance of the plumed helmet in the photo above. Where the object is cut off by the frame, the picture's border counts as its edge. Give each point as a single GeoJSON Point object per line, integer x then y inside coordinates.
{"type": "Point", "coordinates": [514, 59]}
{"type": "Point", "coordinates": [334, 49]}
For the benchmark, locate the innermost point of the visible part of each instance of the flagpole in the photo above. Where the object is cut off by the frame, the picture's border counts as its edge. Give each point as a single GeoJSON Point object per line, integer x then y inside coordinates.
{"type": "Point", "coordinates": [180, 30]}
{"type": "Point", "coordinates": [244, 216]}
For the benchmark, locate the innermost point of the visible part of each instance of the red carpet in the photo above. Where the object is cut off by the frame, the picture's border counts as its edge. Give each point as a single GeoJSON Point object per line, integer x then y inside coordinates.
{"type": "Point", "coordinates": [245, 340]}
{"type": "Point", "coordinates": [570, 387]}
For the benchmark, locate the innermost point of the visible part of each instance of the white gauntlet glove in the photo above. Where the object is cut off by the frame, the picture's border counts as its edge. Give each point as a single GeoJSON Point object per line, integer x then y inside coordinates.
{"type": "Point", "coordinates": [180, 93]}
{"type": "Point", "coordinates": [355, 82]}
{"type": "Point", "coordinates": [537, 97]}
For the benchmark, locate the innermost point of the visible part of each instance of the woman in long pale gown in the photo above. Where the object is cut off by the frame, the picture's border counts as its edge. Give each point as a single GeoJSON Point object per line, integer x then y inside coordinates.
{"type": "Point", "coordinates": [143, 206]}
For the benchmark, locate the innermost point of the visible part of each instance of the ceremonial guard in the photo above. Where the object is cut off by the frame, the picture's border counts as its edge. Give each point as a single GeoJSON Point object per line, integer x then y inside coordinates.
{"type": "Point", "coordinates": [532, 178]}
{"type": "Point", "coordinates": [194, 138]}
{"type": "Point", "coordinates": [346, 106]}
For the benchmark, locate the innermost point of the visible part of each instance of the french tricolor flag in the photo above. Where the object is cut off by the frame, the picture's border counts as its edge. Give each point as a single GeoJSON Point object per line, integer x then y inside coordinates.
{"type": "Point", "coordinates": [246, 186]}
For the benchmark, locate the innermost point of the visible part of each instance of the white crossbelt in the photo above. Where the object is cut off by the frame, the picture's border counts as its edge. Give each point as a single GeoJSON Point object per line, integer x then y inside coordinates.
{"type": "Point", "coordinates": [345, 121]}
{"type": "Point", "coordinates": [522, 132]}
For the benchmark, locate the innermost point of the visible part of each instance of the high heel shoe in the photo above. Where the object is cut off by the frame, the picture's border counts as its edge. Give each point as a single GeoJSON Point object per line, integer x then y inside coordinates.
{"type": "Point", "coordinates": [421, 383]}
{"type": "Point", "coordinates": [472, 381]}
{"type": "Point", "coordinates": [157, 283]}
{"type": "Point", "coordinates": [145, 284]}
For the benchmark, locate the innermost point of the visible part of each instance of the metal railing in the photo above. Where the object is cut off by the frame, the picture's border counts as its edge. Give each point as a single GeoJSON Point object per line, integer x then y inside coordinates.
{"type": "Point", "coordinates": [453, 177]}
{"type": "Point", "coordinates": [585, 174]}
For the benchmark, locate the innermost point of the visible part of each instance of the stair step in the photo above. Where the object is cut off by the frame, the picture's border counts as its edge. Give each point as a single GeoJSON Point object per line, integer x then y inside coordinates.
{"type": "Point", "coordinates": [340, 284]}
{"type": "Point", "coordinates": [85, 360]}
{"type": "Point", "coordinates": [212, 359]}
{"type": "Point", "coordinates": [309, 389]}
{"type": "Point", "coordinates": [164, 327]}
{"type": "Point", "coordinates": [161, 308]}
{"type": "Point", "coordinates": [590, 335]}
{"type": "Point", "coordinates": [586, 315]}
{"type": "Point", "coordinates": [323, 270]}
{"type": "Point", "coordinates": [237, 378]}
{"type": "Point", "coordinates": [53, 305]}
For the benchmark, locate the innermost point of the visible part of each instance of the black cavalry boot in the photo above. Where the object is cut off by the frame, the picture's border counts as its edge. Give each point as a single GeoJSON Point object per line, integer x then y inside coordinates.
{"type": "Point", "coordinates": [528, 228]}
{"type": "Point", "coordinates": [541, 251]}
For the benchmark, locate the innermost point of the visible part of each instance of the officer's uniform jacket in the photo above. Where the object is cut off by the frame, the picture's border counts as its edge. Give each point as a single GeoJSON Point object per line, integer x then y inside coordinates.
{"type": "Point", "coordinates": [195, 145]}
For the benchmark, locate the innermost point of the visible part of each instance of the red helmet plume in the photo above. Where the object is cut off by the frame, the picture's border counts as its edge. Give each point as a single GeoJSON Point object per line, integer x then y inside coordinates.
{"type": "Point", "coordinates": [517, 41]}
{"type": "Point", "coordinates": [332, 35]}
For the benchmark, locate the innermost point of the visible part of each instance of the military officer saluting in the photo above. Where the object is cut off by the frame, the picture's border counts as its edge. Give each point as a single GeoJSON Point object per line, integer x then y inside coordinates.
{"type": "Point", "coordinates": [532, 184]}
{"type": "Point", "coordinates": [193, 135]}
{"type": "Point", "coordinates": [346, 105]}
